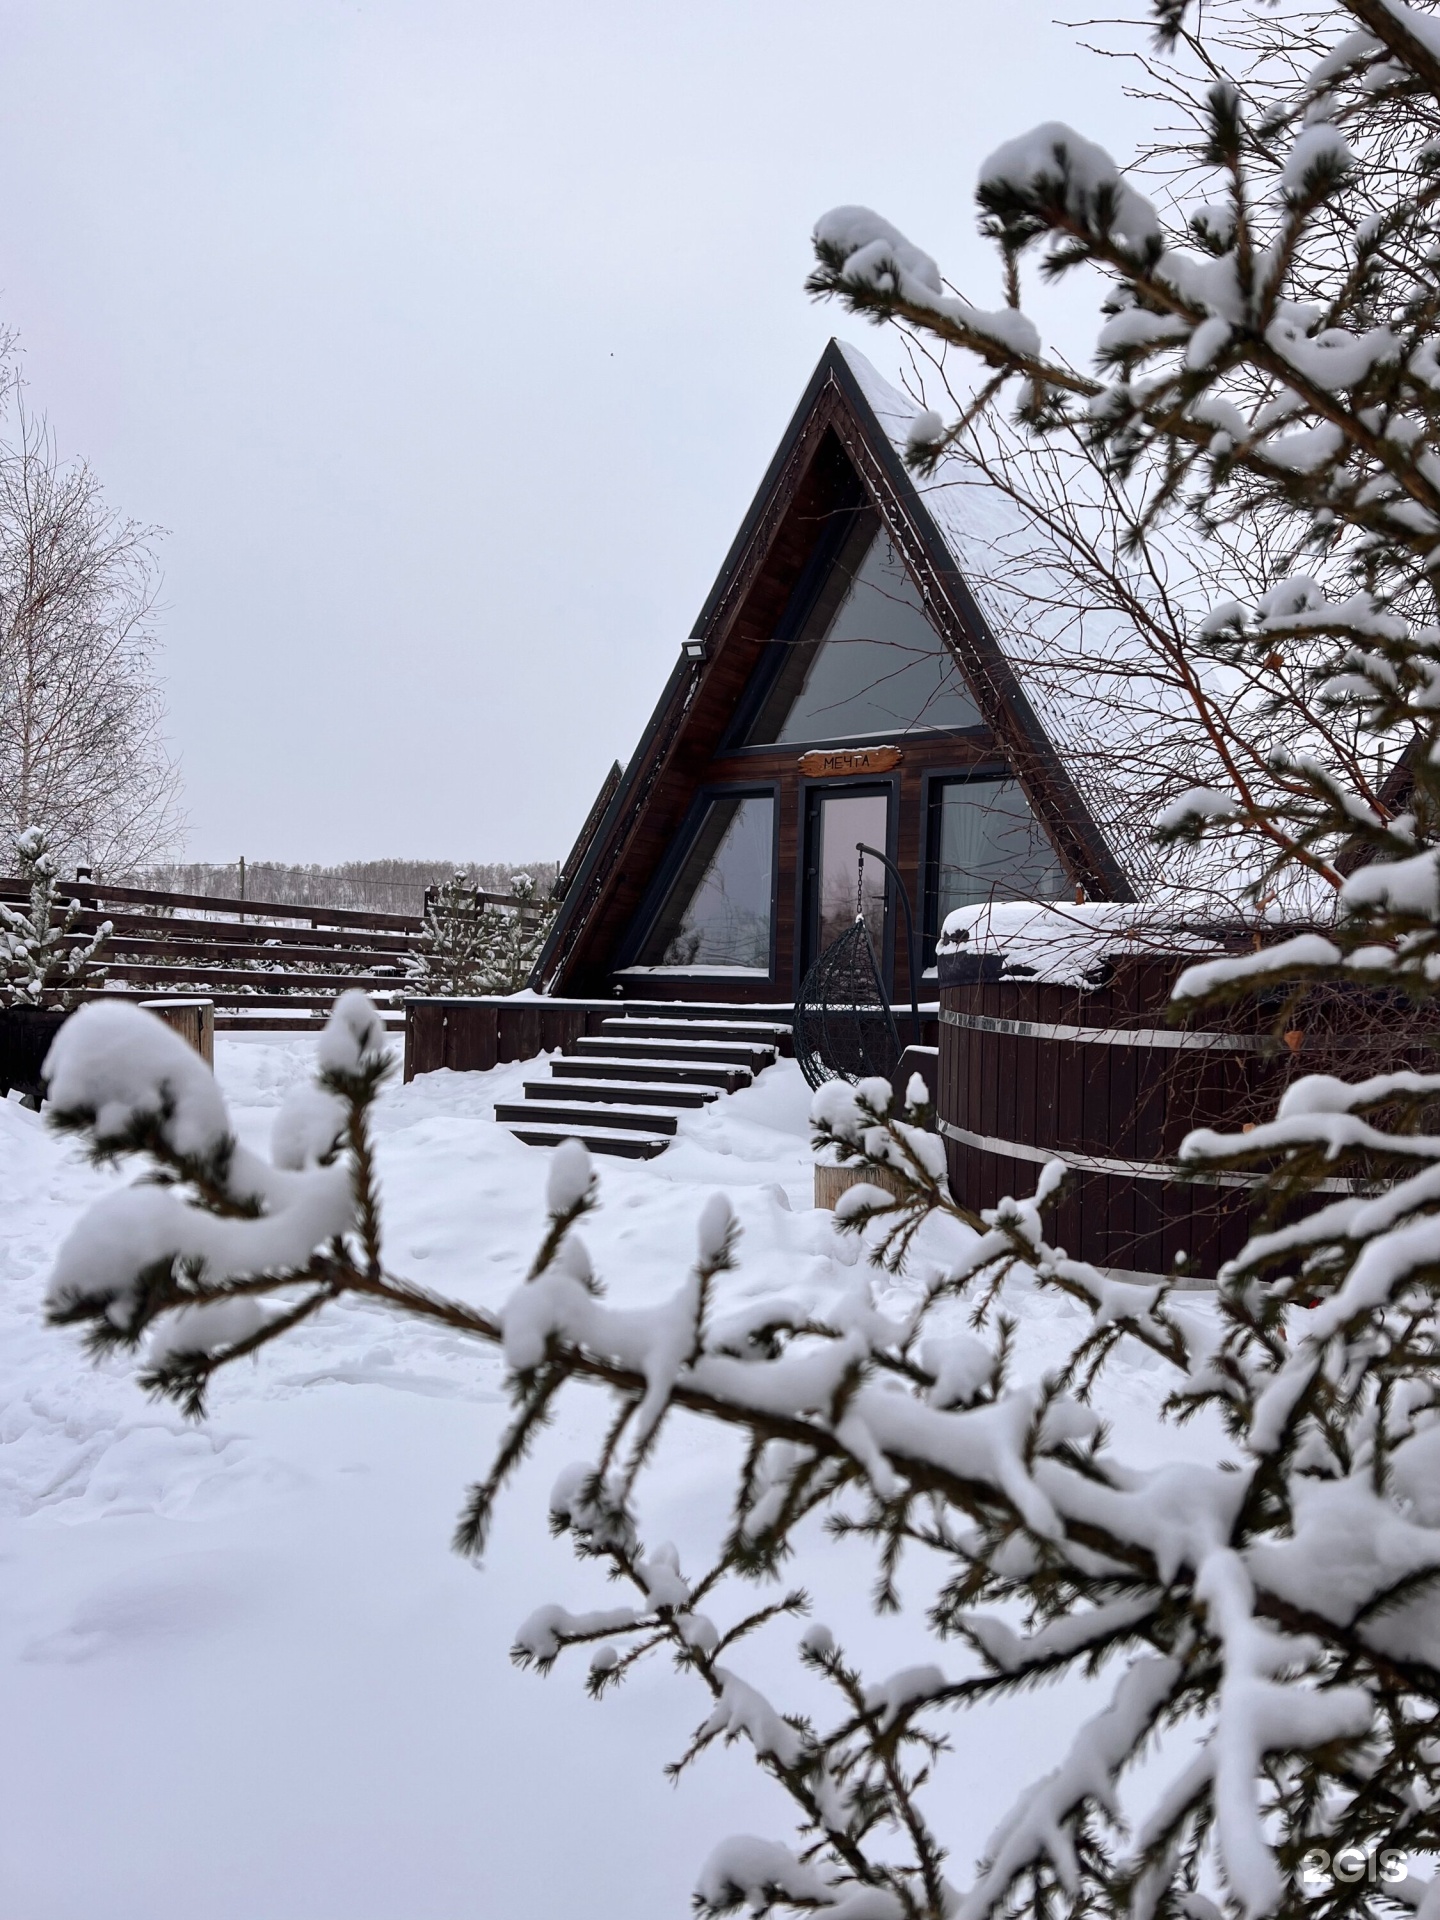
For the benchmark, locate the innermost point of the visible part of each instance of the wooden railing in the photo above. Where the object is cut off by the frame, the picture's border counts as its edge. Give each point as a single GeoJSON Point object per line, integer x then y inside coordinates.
{"type": "Point", "coordinates": [265, 964]}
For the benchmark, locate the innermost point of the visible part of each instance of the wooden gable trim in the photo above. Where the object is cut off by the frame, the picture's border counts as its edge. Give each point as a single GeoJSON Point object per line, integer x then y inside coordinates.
{"type": "Point", "coordinates": [600, 806]}
{"type": "Point", "coordinates": [606, 844]}
{"type": "Point", "coordinates": [654, 756]}
{"type": "Point", "coordinates": [752, 542]}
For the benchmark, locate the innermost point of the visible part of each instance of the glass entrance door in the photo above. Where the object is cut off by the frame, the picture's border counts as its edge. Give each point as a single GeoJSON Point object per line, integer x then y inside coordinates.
{"type": "Point", "coordinates": [837, 821]}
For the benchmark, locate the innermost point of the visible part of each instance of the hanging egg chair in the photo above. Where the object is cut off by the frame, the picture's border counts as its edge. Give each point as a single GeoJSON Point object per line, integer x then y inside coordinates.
{"type": "Point", "coordinates": [844, 1029]}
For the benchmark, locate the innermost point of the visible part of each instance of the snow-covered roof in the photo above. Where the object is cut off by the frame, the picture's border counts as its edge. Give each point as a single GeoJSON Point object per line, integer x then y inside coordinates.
{"type": "Point", "coordinates": [1084, 669]}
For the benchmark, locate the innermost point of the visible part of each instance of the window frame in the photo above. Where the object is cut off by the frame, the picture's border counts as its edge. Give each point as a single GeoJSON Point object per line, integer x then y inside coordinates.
{"type": "Point", "coordinates": [773, 653]}
{"type": "Point", "coordinates": [985, 772]}
{"type": "Point", "coordinates": [812, 792]}
{"type": "Point", "coordinates": [668, 872]}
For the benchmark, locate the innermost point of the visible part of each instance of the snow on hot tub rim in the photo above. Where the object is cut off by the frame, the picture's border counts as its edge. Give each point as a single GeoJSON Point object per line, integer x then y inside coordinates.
{"type": "Point", "coordinates": [1069, 943]}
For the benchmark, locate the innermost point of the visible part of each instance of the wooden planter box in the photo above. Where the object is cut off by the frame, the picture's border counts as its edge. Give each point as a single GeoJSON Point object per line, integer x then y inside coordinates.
{"type": "Point", "coordinates": [26, 1033]}
{"type": "Point", "coordinates": [193, 1020]}
{"type": "Point", "coordinates": [25, 1036]}
{"type": "Point", "coordinates": [831, 1182]}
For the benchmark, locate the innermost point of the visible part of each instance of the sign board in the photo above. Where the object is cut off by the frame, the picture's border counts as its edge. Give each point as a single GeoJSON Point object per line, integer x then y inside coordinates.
{"type": "Point", "coordinates": [826, 762]}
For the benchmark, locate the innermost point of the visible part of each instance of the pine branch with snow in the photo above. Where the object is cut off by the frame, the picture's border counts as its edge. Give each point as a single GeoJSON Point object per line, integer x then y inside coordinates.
{"type": "Point", "coordinates": [1258, 1619]}
{"type": "Point", "coordinates": [45, 962]}
{"type": "Point", "coordinates": [1264, 357]}
{"type": "Point", "coordinates": [1263, 360]}
{"type": "Point", "coordinates": [1265, 1623]}
{"type": "Point", "coordinates": [220, 1252]}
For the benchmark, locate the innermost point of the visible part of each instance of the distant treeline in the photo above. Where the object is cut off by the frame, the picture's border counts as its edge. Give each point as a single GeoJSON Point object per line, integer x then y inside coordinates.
{"type": "Point", "coordinates": [387, 886]}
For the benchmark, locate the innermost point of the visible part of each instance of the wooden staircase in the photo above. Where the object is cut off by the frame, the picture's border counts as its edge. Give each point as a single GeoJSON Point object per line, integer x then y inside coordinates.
{"type": "Point", "coordinates": [622, 1090]}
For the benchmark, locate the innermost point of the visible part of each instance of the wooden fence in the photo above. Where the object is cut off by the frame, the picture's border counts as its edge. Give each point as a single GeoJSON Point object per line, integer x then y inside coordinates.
{"type": "Point", "coordinates": [267, 966]}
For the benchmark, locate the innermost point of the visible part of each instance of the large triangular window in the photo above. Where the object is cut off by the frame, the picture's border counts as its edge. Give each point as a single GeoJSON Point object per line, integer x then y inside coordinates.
{"type": "Point", "coordinates": [865, 662]}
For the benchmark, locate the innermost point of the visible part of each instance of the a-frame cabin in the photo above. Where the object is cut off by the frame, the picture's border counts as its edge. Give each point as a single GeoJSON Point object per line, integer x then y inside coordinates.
{"type": "Point", "coordinates": [842, 684]}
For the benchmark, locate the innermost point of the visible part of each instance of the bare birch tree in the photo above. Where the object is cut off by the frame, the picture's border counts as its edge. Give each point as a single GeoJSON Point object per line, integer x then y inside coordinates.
{"type": "Point", "coordinates": [82, 753]}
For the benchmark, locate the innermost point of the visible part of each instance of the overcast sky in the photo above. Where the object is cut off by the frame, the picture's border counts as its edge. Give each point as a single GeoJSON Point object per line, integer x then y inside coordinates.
{"type": "Point", "coordinates": [448, 343]}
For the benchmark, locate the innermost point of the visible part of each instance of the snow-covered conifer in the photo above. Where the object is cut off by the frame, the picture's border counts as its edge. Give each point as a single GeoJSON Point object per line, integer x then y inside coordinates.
{"type": "Point", "coordinates": [454, 953]}
{"type": "Point", "coordinates": [44, 962]}
{"type": "Point", "coordinates": [520, 934]}
{"type": "Point", "coordinates": [469, 946]}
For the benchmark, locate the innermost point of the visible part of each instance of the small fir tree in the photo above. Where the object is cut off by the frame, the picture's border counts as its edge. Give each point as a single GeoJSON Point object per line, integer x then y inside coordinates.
{"type": "Point", "coordinates": [518, 935]}
{"type": "Point", "coordinates": [43, 961]}
{"type": "Point", "coordinates": [454, 956]}
{"type": "Point", "coordinates": [469, 946]}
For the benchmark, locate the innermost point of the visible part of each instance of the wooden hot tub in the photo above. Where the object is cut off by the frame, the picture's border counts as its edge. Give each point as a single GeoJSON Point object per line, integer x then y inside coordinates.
{"type": "Point", "coordinates": [1081, 1062]}
{"type": "Point", "coordinates": [1031, 1071]}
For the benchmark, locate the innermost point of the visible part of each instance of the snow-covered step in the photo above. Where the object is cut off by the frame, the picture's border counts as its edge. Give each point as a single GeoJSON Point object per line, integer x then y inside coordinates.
{"type": "Point", "coordinates": [759, 1030]}
{"type": "Point", "coordinates": [752, 1032]}
{"type": "Point", "coordinates": [757, 1020]}
{"type": "Point", "coordinates": [681, 1072]}
{"type": "Point", "coordinates": [619, 1090]}
{"type": "Point", "coordinates": [652, 1093]}
{"type": "Point", "coordinates": [629, 1146]}
{"type": "Point", "coordinates": [707, 1052]}
{"type": "Point", "coordinates": [553, 1112]}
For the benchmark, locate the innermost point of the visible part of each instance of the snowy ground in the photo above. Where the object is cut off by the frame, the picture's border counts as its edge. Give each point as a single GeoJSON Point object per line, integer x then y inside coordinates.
{"type": "Point", "coordinates": [241, 1675]}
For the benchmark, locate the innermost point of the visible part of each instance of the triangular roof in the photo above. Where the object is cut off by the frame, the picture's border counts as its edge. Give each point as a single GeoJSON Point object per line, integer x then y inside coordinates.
{"type": "Point", "coordinates": [849, 432]}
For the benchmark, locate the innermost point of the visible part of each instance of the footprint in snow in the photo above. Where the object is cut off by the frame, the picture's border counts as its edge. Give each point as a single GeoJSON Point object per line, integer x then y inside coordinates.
{"type": "Point", "coordinates": [176, 1598]}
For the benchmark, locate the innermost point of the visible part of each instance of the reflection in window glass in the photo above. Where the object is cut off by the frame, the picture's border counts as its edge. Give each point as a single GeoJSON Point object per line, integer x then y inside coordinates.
{"type": "Point", "coordinates": [867, 660]}
{"type": "Point", "coordinates": [717, 914]}
{"type": "Point", "coordinates": [987, 845]}
{"type": "Point", "coordinates": [844, 820]}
